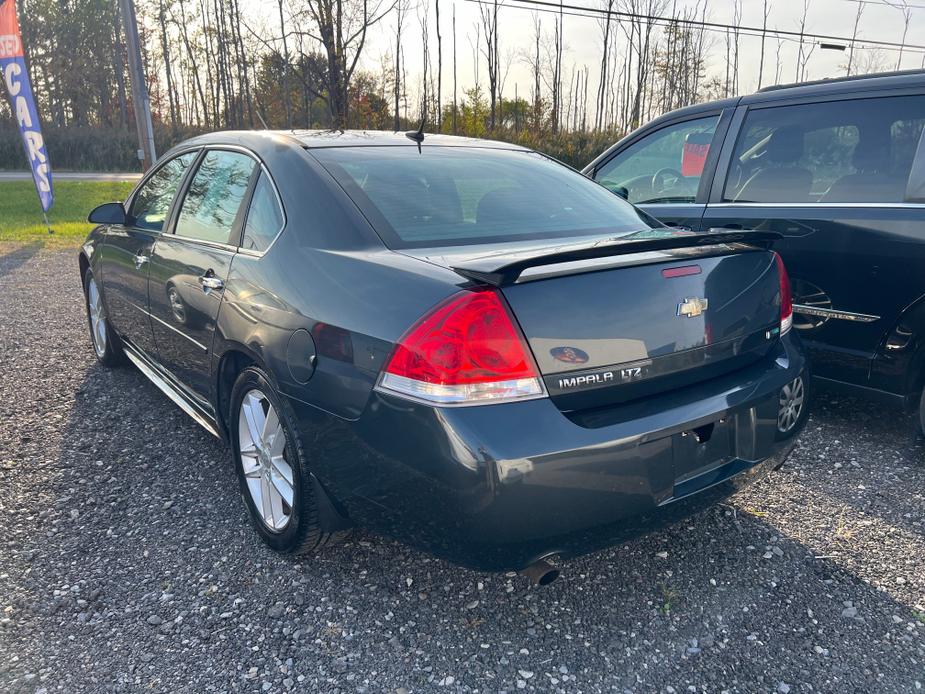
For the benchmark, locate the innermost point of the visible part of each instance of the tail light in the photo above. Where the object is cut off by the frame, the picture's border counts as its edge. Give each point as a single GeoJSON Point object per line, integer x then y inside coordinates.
{"type": "Point", "coordinates": [468, 350]}
{"type": "Point", "coordinates": [786, 296]}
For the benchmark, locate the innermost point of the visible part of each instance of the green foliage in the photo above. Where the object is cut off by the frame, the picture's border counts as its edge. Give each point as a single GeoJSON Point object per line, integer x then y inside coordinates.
{"type": "Point", "coordinates": [87, 148]}
{"type": "Point", "coordinates": [21, 215]}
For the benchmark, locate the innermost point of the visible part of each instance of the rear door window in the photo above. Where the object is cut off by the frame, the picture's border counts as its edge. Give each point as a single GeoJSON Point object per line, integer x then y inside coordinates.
{"type": "Point", "coordinates": [664, 166]}
{"type": "Point", "coordinates": [213, 200]}
{"type": "Point", "coordinates": [468, 195]}
{"type": "Point", "coordinates": [858, 150]}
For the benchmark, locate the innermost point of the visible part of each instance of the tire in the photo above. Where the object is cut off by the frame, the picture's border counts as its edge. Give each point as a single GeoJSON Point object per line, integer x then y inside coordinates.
{"type": "Point", "coordinates": [790, 424]}
{"type": "Point", "coordinates": [106, 343]}
{"type": "Point", "coordinates": [922, 414]}
{"type": "Point", "coordinates": [285, 516]}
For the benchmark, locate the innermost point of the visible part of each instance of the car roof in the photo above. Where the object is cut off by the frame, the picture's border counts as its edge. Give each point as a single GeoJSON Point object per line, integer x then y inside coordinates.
{"type": "Point", "coordinates": [312, 139]}
{"type": "Point", "coordinates": [904, 79]}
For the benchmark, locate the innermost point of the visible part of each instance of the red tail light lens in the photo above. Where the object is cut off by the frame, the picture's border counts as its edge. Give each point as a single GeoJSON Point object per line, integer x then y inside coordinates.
{"type": "Point", "coordinates": [467, 350]}
{"type": "Point", "coordinates": [786, 296]}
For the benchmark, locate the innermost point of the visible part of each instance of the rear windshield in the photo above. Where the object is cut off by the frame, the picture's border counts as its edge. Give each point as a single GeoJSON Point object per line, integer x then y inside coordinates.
{"type": "Point", "coordinates": [452, 196]}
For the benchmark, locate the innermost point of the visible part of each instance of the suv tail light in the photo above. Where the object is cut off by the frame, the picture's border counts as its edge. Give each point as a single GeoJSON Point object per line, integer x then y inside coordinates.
{"type": "Point", "coordinates": [786, 296]}
{"type": "Point", "coordinates": [468, 350]}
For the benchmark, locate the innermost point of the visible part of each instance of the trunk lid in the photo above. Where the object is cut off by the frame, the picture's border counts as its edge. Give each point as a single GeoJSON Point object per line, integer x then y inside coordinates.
{"type": "Point", "coordinates": [605, 330]}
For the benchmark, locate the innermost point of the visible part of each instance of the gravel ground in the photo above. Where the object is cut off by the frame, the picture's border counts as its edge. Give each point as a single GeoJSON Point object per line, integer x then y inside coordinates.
{"type": "Point", "coordinates": [127, 563]}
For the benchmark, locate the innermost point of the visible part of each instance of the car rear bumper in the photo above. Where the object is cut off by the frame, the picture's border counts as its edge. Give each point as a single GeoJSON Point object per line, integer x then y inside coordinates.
{"type": "Point", "coordinates": [498, 487]}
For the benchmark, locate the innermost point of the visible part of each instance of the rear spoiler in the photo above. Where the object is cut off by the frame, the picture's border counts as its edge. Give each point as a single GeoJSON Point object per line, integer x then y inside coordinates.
{"type": "Point", "coordinates": [504, 269]}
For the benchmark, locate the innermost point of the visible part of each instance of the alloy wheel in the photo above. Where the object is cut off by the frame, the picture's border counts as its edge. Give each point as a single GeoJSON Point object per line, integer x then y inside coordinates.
{"type": "Point", "coordinates": [177, 307]}
{"type": "Point", "coordinates": [790, 409]}
{"type": "Point", "coordinates": [97, 318]}
{"type": "Point", "coordinates": [262, 445]}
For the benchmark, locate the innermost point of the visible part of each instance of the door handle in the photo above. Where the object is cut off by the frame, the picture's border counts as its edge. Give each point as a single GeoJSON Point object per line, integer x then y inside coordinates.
{"type": "Point", "coordinates": [679, 227]}
{"type": "Point", "coordinates": [140, 260]}
{"type": "Point", "coordinates": [210, 282]}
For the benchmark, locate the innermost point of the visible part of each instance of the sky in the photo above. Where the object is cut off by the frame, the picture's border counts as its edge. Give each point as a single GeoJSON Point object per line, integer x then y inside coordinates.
{"type": "Point", "coordinates": [879, 21]}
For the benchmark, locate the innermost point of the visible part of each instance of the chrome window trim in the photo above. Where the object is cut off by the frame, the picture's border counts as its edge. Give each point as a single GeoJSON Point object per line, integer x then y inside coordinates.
{"type": "Point", "coordinates": [697, 205]}
{"type": "Point", "coordinates": [826, 205]}
{"type": "Point", "coordinates": [202, 242]}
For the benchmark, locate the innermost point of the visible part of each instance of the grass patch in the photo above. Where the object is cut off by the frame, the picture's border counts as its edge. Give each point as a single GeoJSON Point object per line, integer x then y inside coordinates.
{"type": "Point", "coordinates": [21, 214]}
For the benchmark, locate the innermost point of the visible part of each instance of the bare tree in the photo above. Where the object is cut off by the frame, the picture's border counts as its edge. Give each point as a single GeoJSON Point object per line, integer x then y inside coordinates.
{"type": "Point", "coordinates": [764, 31]}
{"type": "Point", "coordinates": [489, 17]}
{"type": "Point", "coordinates": [287, 66]}
{"type": "Point", "coordinates": [803, 55]}
{"type": "Point", "coordinates": [439, 70]}
{"type": "Point", "coordinates": [424, 21]}
{"type": "Point", "coordinates": [455, 105]}
{"type": "Point", "coordinates": [600, 104]}
{"type": "Point", "coordinates": [902, 6]}
{"type": "Point", "coordinates": [736, 21]}
{"type": "Point", "coordinates": [341, 27]}
{"type": "Point", "coordinates": [854, 36]}
{"type": "Point", "coordinates": [401, 11]}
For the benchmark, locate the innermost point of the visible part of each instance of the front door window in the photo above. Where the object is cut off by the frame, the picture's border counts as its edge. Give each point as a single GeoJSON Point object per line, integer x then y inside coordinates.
{"type": "Point", "coordinates": [663, 167]}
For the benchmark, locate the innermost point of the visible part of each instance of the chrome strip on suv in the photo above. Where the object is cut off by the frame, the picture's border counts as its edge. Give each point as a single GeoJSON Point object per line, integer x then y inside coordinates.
{"type": "Point", "coordinates": [833, 313]}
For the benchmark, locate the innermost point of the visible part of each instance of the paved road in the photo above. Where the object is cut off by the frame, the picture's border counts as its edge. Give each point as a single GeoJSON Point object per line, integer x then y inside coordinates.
{"type": "Point", "coordinates": [126, 562]}
{"type": "Point", "coordinates": [72, 176]}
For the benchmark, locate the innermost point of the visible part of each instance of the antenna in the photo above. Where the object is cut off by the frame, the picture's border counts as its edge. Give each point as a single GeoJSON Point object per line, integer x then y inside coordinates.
{"type": "Point", "coordinates": [418, 135]}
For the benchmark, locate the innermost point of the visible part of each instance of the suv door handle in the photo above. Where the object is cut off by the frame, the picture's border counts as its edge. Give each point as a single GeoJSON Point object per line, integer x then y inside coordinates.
{"type": "Point", "coordinates": [139, 260]}
{"type": "Point", "coordinates": [209, 282]}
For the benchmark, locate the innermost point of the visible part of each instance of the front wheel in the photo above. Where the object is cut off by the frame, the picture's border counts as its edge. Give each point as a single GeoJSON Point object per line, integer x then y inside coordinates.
{"type": "Point", "coordinates": [272, 467]}
{"type": "Point", "coordinates": [106, 343]}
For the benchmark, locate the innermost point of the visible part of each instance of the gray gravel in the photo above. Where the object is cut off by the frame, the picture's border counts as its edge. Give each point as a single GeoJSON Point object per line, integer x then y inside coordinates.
{"type": "Point", "coordinates": [127, 563]}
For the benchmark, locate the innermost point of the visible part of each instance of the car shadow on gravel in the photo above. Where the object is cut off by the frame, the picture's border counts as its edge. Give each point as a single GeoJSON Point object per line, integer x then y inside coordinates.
{"type": "Point", "coordinates": [9, 262]}
{"type": "Point", "coordinates": [144, 572]}
{"type": "Point", "coordinates": [874, 460]}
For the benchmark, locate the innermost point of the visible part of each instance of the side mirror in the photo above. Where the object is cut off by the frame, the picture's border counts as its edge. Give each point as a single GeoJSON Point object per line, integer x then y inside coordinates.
{"type": "Point", "coordinates": [621, 191]}
{"type": "Point", "coordinates": [108, 213]}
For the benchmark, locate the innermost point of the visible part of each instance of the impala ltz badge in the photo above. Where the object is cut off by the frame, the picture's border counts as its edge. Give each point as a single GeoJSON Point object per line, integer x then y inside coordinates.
{"type": "Point", "coordinates": [692, 307]}
{"type": "Point", "coordinates": [569, 355]}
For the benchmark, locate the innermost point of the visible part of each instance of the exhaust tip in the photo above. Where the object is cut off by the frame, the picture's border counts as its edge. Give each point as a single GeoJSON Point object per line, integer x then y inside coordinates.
{"type": "Point", "coordinates": [541, 573]}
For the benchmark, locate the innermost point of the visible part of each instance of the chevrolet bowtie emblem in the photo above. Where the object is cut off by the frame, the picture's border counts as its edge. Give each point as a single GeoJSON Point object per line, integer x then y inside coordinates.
{"type": "Point", "coordinates": [692, 307]}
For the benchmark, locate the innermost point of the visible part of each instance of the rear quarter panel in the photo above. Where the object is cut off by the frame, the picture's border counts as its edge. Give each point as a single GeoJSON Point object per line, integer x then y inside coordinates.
{"type": "Point", "coordinates": [329, 274]}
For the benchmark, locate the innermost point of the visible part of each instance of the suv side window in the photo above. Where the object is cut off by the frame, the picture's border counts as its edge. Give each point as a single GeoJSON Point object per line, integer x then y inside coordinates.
{"type": "Point", "coordinates": [214, 197]}
{"type": "Point", "coordinates": [151, 204]}
{"type": "Point", "coordinates": [662, 167]}
{"type": "Point", "coordinates": [264, 218]}
{"type": "Point", "coordinates": [857, 150]}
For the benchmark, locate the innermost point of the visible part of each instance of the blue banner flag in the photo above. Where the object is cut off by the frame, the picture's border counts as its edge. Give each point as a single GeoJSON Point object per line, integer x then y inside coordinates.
{"type": "Point", "coordinates": [18, 86]}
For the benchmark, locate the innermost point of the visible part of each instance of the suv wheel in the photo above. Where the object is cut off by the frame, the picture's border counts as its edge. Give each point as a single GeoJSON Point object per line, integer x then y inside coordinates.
{"type": "Point", "coordinates": [922, 413]}
{"type": "Point", "coordinates": [272, 467]}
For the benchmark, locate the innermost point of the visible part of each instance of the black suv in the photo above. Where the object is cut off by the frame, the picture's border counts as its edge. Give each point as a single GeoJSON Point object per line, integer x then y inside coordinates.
{"type": "Point", "coordinates": [838, 168]}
